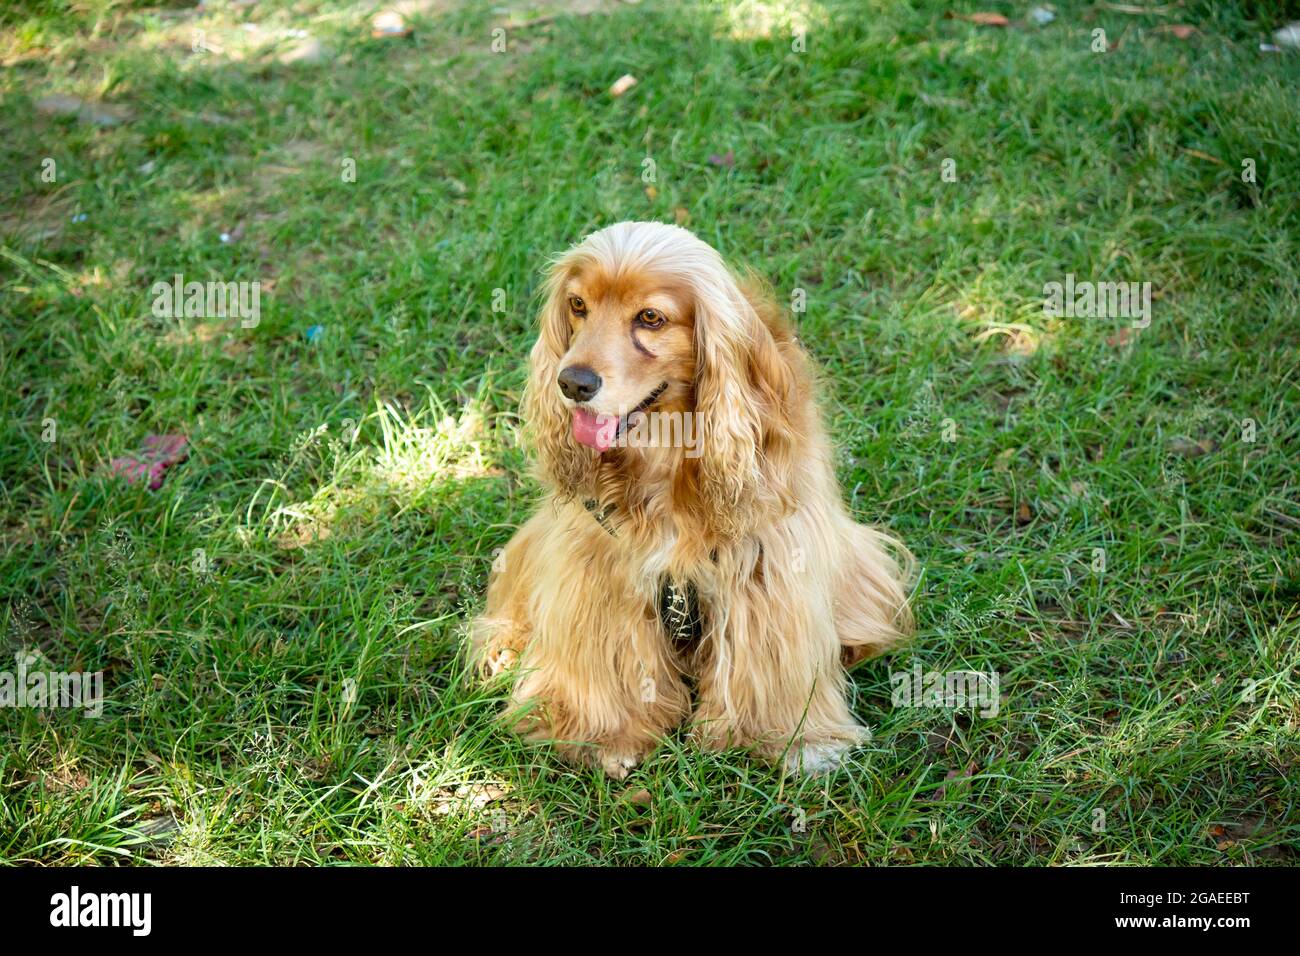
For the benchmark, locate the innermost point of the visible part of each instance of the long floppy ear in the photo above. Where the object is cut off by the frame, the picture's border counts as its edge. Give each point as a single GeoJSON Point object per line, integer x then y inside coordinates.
{"type": "Point", "coordinates": [747, 402]}
{"type": "Point", "coordinates": [562, 462]}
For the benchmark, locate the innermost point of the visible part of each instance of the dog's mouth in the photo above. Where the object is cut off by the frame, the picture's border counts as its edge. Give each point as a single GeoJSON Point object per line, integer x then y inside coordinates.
{"type": "Point", "coordinates": [601, 431]}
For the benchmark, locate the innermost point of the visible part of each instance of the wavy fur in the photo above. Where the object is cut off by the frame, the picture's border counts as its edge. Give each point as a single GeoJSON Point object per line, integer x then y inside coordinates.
{"type": "Point", "coordinates": [791, 589]}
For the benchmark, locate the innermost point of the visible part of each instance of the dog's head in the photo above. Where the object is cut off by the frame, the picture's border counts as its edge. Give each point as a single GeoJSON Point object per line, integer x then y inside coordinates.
{"type": "Point", "coordinates": [641, 317]}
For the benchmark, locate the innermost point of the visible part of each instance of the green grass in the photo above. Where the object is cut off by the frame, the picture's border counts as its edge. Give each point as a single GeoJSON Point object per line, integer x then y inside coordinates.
{"type": "Point", "coordinates": [347, 495]}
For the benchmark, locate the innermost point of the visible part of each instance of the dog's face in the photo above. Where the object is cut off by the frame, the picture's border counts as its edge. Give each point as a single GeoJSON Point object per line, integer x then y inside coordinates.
{"type": "Point", "coordinates": [631, 347]}
{"type": "Point", "coordinates": [642, 317]}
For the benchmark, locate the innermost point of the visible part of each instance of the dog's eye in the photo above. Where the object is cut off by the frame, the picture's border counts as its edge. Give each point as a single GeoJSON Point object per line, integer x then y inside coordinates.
{"type": "Point", "coordinates": [577, 306]}
{"type": "Point", "coordinates": [650, 318]}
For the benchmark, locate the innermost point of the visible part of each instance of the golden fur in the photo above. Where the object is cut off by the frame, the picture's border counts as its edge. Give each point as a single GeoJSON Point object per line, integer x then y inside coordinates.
{"type": "Point", "coordinates": [791, 590]}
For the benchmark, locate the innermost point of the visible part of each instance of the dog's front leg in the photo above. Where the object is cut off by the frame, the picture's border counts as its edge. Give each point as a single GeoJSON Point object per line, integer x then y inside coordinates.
{"type": "Point", "coordinates": [597, 677]}
{"type": "Point", "coordinates": [769, 669]}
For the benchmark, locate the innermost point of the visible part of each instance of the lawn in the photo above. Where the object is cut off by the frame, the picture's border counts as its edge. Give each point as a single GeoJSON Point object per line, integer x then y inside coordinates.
{"type": "Point", "coordinates": [1104, 511]}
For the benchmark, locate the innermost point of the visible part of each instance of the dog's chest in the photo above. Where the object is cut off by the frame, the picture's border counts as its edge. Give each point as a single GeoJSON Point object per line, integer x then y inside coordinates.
{"type": "Point", "coordinates": [678, 604]}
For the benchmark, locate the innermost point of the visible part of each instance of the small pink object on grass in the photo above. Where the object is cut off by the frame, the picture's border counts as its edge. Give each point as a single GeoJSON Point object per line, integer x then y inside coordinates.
{"type": "Point", "coordinates": [160, 453]}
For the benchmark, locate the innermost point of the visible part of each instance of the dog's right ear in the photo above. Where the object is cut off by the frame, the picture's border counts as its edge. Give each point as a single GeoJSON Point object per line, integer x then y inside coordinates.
{"type": "Point", "coordinates": [564, 464]}
{"type": "Point", "coordinates": [747, 401]}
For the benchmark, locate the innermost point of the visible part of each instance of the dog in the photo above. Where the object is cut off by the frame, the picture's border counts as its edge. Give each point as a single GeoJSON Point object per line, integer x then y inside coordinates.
{"type": "Point", "coordinates": [717, 579]}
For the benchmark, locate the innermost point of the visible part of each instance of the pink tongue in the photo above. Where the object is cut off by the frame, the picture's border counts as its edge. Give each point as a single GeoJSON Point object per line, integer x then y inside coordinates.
{"type": "Point", "coordinates": [594, 431]}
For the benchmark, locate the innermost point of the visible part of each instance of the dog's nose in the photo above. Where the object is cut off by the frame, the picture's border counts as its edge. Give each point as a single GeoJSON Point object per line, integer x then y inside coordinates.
{"type": "Point", "coordinates": [579, 383]}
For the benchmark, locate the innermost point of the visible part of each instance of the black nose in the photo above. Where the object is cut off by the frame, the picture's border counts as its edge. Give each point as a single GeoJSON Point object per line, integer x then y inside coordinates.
{"type": "Point", "coordinates": [579, 383]}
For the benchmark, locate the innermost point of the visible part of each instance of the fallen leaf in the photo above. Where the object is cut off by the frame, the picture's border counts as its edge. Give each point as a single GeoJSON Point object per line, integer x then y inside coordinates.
{"type": "Point", "coordinates": [1182, 31]}
{"type": "Point", "coordinates": [651, 193]}
{"type": "Point", "coordinates": [1121, 338]}
{"type": "Point", "coordinates": [981, 19]}
{"type": "Point", "coordinates": [640, 798]}
{"type": "Point", "coordinates": [681, 215]}
{"type": "Point", "coordinates": [1024, 514]}
{"type": "Point", "coordinates": [66, 781]}
{"type": "Point", "coordinates": [488, 835]}
{"type": "Point", "coordinates": [727, 159]}
{"type": "Point", "coordinates": [159, 454]}
{"type": "Point", "coordinates": [622, 84]}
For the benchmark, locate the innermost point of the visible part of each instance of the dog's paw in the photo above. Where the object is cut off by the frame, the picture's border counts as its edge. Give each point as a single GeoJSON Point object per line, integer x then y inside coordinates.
{"type": "Point", "coordinates": [617, 763]}
{"type": "Point", "coordinates": [813, 759]}
{"type": "Point", "coordinates": [499, 660]}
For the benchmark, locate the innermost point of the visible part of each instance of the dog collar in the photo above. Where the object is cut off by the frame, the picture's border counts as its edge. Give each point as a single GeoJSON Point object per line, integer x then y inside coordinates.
{"type": "Point", "coordinates": [679, 608]}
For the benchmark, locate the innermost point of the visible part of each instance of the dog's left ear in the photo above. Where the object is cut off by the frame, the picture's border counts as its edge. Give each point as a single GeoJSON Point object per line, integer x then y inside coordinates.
{"type": "Point", "coordinates": [747, 402]}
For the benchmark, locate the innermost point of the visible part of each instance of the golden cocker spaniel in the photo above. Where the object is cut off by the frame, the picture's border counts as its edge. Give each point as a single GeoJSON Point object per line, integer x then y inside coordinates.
{"type": "Point", "coordinates": [692, 559]}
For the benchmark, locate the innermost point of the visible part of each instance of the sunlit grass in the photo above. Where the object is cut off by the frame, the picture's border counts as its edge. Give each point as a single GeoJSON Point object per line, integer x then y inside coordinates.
{"type": "Point", "coordinates": [280, 625]}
